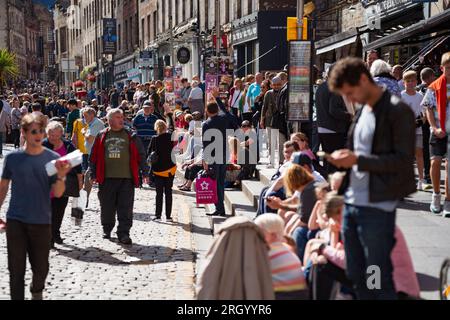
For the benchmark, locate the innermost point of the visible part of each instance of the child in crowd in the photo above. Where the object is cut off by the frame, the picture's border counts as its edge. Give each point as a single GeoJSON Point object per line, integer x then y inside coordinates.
{"type": "Point", "coordinates": [414, 99]}
{"type": "Point", "coordinates": [289, 282]}
{"type": "Point", "coordinates": [332, 209]}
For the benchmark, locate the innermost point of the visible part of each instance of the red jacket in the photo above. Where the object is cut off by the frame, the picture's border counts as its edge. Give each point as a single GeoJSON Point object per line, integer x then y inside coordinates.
{"type": "Point", "coordinates": [97, 158]}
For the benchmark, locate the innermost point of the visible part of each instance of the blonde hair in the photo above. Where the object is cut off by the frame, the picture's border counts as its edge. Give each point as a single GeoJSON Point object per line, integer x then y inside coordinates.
{"type": "Point", "coordinates": [295, 178]}
{"type": "Point", "coordinates": [332, 205]}
{"type": "Point", "coordinates": [271, 223]}
{"type": "Point", "coordinates": [410, 75]}
{"type": "Point", "coordinates": [445, 58]}
{"type": "Point", "coordinates": [160, 126]}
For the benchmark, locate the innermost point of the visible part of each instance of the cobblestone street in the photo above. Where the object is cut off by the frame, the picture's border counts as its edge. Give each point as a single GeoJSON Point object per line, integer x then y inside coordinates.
{"type": "Point", "coordinates": [159, 265]}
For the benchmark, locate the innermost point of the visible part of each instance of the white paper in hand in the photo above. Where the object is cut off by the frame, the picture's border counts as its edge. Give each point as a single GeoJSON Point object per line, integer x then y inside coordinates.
{"type": "Point", "coordinates": [75, 159]}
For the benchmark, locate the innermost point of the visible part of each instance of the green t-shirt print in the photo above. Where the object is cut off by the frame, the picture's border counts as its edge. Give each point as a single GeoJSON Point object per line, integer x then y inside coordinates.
{"type": "Point", "coordinates": [117, 155]}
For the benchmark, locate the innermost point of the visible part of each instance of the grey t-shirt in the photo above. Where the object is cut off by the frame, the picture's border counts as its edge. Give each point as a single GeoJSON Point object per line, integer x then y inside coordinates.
{"type": "Point", "coordinates": [307, 202]}
{"type": "Point", "coordinates": [30, 186]}
{"type": "Point", "coordinates": [358, 192]}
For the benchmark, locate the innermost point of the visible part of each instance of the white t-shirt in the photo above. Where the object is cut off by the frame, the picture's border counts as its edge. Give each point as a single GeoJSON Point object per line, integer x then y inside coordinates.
{"type": "Point", "coordinates": [196, 94]}
{"type": "Point", "coordinates": [414, 102]}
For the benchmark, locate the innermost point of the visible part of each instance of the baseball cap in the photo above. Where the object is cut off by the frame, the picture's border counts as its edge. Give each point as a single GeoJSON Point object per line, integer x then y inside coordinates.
{"type": "Point", "coordinates": [301, 159]}
{"type": "Point", "coordinates": [147, 103]}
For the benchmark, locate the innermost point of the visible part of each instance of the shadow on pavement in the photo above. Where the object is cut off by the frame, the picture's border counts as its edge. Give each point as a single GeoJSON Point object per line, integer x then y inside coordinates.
{"type": "Point", "coordinates": [408, 204]}
{"type": "Point", "coordinates": [135, 254]}
{"type": "Point", "coordinates": [146, 217]}
{"type": "Point", "coordinates": [428, 283]}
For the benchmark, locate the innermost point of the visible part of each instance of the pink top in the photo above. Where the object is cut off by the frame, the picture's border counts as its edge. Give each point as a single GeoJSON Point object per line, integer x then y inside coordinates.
{"type": "Point", "coordinates": [62, 152]}
{"type": "Point", "coordinates": [405, 278]}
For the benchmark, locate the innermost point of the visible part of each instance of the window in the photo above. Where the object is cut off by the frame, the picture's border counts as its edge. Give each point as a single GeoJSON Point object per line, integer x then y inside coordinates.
{"type": "Point", "coordinates": [227, 11]}
{"type": "Point", "coordinates": [119, 29]}
{"type": "Point", "coordinates": [192, 9]}
{"type": "Point", "coordinates": [155, 24]}
{"type": "Point", "coordinates": [239, 9]}
{"type": "Point", "coordinates": [125, 36]}
{"type": "Point", "coordinates": [149, 24]}
{"type": "Point", "coordinates": [206, 14]}
{"type": "Point", "coordinates": [250, 6]}
{"type": "Point", "coordinates": [131, 33]}
{"type": "Point", "coordinates": [142, 33]}
{"type": "Point", "coordinates": [163, 14]}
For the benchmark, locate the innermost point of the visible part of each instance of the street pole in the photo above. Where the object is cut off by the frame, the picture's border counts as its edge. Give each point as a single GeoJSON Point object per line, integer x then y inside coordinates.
{"type": "Point", "coordinates": [172, 57]}
{"type": "Point", "coordinates": [218, 39]}
{"type": "Point", "coordinates": [300, 5]}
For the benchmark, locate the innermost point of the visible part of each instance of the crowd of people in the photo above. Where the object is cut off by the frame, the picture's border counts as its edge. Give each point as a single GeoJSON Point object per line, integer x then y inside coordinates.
{"type": "Point", "coordinates": [328, 216]}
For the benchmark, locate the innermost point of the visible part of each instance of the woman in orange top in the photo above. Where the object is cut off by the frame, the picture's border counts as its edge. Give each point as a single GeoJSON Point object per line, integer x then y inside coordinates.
{"type": "Point", "coordinates": [163, 167]}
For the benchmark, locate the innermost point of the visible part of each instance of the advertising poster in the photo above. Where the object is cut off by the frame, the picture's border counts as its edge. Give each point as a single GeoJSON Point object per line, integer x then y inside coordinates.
{"type": "Point", "coordinates": [300, 82]}
{"type": "Point", "coordinates": [109, 36]}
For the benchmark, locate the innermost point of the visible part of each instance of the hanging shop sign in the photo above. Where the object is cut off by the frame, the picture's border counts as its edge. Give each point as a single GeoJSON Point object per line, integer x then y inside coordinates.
{"type": "Point", "coordinates": [183, 55]}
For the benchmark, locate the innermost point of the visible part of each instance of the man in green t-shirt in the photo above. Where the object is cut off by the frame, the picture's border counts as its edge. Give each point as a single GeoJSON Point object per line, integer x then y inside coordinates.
{"type": "Point", "coordinates": [73, 115]}
{"type": "Point", "coordinates": [116, 163]}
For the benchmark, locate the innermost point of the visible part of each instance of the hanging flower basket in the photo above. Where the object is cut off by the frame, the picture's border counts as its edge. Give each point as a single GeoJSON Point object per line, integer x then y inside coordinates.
{"type": "Point", "coordinates": [78, 84]}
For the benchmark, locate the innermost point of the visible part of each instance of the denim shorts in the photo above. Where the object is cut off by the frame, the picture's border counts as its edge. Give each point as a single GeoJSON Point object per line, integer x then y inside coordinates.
{"type": "Point", "coordinates": [438, 147]}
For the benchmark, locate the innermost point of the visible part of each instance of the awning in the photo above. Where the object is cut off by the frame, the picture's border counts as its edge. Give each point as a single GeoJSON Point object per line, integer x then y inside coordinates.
{"type": "Point", "coordinates": [438, 23]}
{"type": "Point", "coordinates": [336, 41]}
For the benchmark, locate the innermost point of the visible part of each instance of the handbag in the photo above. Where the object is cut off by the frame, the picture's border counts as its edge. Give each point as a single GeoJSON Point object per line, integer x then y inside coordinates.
{"type": "Point", "coordinates": [72, 186]}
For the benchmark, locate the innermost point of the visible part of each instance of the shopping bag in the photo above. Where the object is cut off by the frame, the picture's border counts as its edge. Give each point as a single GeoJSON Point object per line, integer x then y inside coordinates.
{"type": "Point", "coordinates": [206, 190]}
{"type": "Point", "coordinates": [79, 205]}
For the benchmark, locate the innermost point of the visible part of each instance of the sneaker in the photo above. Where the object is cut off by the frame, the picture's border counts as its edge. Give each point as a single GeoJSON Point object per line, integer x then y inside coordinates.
{"type": "Point", "coordinates": [106, 235]}
{"type": "Point", "coordinates": [420, 186]}
{"type": "Point", "coordinates": [169, 220]}
{"type": "Point", "coordinates": [126, 240]}
{"type": "Point", "coordinates": [157, 219]}
{"type": "Point", "coordinates": [435, 206]}
{"type": "Point", "coordinates": [446, 213]}
{"type": "Point", "coordinates": [78, 222]}
{"type": "Point", "coordinates": [37, 296]}
{"type": "Point", "coordinates": [59, 240]}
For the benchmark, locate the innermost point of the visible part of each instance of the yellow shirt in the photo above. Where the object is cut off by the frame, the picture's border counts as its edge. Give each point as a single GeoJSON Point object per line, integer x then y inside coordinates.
{"type": "Point", "coordinates": [78, 126]}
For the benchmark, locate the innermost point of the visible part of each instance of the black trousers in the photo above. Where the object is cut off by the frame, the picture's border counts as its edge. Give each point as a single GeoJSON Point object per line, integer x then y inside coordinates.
{"type": "Point", "coordinates": [117, 196]}
{"type": "Point", "coordinates": [191, 174]}
{"type": "Point", "coordinates": [58, 208]}
{"type": "Point", "coordinates": [426, 151]}
{"type": "Point", "coordinates": [330, 143]}
{"type": "Point", "coordinates": [16, 137]}
{"type": "Point", "coordinates": [323, 278]}
{"type": "Point", "coordinates": [163, 188]}
{"type": "Point", "coordinates": [31, 239]}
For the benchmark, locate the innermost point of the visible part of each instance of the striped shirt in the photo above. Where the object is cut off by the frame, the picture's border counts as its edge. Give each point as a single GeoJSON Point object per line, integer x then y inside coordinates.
{"type": "Point", "coordinates": [145, 126]}
{"type": "Point", "coordinates": [287, 274]}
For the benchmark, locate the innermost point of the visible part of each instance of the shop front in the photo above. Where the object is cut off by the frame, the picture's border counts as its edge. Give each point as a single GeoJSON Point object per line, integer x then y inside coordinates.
{"type": "Point", "coordinates": [121, 69]}
{"type": "Point", "coordinates": [259, 42]}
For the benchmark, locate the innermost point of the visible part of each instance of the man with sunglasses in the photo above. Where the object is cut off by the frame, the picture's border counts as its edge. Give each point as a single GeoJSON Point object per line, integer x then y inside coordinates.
{"type": "Point", "coordinates": [28, 228]}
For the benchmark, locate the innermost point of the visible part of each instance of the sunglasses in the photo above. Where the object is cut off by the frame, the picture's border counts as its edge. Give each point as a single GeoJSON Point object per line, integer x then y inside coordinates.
{"type": "Point", "coordinates": [35, 131]}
